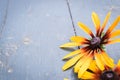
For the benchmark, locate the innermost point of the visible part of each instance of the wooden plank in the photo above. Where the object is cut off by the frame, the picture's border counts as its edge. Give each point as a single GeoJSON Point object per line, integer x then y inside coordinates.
{"type": "Point", "coordinates": [3, 19]}
{"type": "Point", "coordinates": [34, 31]}
{"type": "Point", "coordinates": [3, 14]}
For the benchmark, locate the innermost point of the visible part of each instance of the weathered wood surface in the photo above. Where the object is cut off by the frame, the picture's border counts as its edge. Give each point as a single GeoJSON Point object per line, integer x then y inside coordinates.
{"type": "Point", "coordinates": [32, 30]}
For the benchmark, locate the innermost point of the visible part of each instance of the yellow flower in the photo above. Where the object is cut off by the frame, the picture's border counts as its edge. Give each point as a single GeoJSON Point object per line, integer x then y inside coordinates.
{"type": "Point", "coordinates": [94, 73]}
{"type": "Point", "coordinates": [66, 79]}
{"type": "Point", "coordinates": [91, 48]}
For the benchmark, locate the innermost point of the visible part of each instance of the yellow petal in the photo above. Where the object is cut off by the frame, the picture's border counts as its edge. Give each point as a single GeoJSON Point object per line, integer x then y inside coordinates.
{"type": "Point", "coordinates": [70, 44]}
{"type": "Point", "coordinates": [80, 62]}
{"type": "Point", "coordinates": [66, 79]}
{"type": "Point", "coordinates": [85, 29]}
{"type": "Point", "coordinates": [72, 54]}
{"type": "Point", "coordinates": [93, 66]}
{"type": "Point", "coordinates": [114, 24]}
{"type": "Point", "coordinates": [78, 39]}
{"type": "Point", "coordinates": [106, 59]}
{"type": "Point", "coordinates": [118, 64]}
{"type": "Point", "coordinates": [113, 41]}
{"type": "Point", "coordinates": [87, 75]}
{"type": "Point", "coordinates": [71, 62]}
{"type": "Point", "coordinates": [117, 68]}
{"type": "Point", "coordinates": [96, 21]}
{"type": "Point", "coordinates": [105, 21]}
{"type": "Point", "coordinates": [99, 62]}
{"type": "Point", "coordinates": [85, 66]}
{"type": "Point", "coordinates": [115, 33]}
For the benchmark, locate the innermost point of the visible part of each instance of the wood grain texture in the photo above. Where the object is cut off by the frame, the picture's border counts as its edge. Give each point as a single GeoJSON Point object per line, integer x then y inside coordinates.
{"type": "Point", "coordinates": [35, 29]}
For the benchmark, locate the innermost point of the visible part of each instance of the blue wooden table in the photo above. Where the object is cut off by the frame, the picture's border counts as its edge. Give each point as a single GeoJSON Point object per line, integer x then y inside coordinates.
{"type": "Point", "coordinates": [31, 32]}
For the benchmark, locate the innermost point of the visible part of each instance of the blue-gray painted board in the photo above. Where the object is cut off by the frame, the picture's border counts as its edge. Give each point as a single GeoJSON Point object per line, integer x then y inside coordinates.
{"type": "Point", "coordinates": [34, 30]}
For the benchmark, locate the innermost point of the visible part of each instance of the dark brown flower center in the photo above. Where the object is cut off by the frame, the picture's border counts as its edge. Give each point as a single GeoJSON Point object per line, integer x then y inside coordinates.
{"type": "Point", "coordinates": [95, 42]}
{"type": "Point", "coordinates": [109, 75]}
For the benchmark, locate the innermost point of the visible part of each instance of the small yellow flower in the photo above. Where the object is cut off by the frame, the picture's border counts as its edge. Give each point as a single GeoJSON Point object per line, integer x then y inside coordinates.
{"type": "Point", "coordinates": [94, 73]}
{"type": "Point", "coordinates": [91, 48]}
{"type": "Point", "coordinates": [66, 79]}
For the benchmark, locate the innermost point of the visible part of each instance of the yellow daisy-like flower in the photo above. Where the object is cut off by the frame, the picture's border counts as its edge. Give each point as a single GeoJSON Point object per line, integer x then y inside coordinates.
{"type": "Point", "coordinates": [94, 73]}
{"type": "Point", "coordinates": [91, 48]}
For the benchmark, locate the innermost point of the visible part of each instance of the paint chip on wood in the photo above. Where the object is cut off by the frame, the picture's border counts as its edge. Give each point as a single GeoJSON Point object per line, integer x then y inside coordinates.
{"type": "Point", "coordinates": [10, 70]}
{"type": "Point", "coordinates": [26, 41]}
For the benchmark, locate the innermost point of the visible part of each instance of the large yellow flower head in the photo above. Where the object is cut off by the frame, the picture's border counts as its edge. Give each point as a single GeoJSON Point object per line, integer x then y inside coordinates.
{"type": "Point", "coordinates": [91, 48]}
{"type": "Point", "coordinates": [95, 73]}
